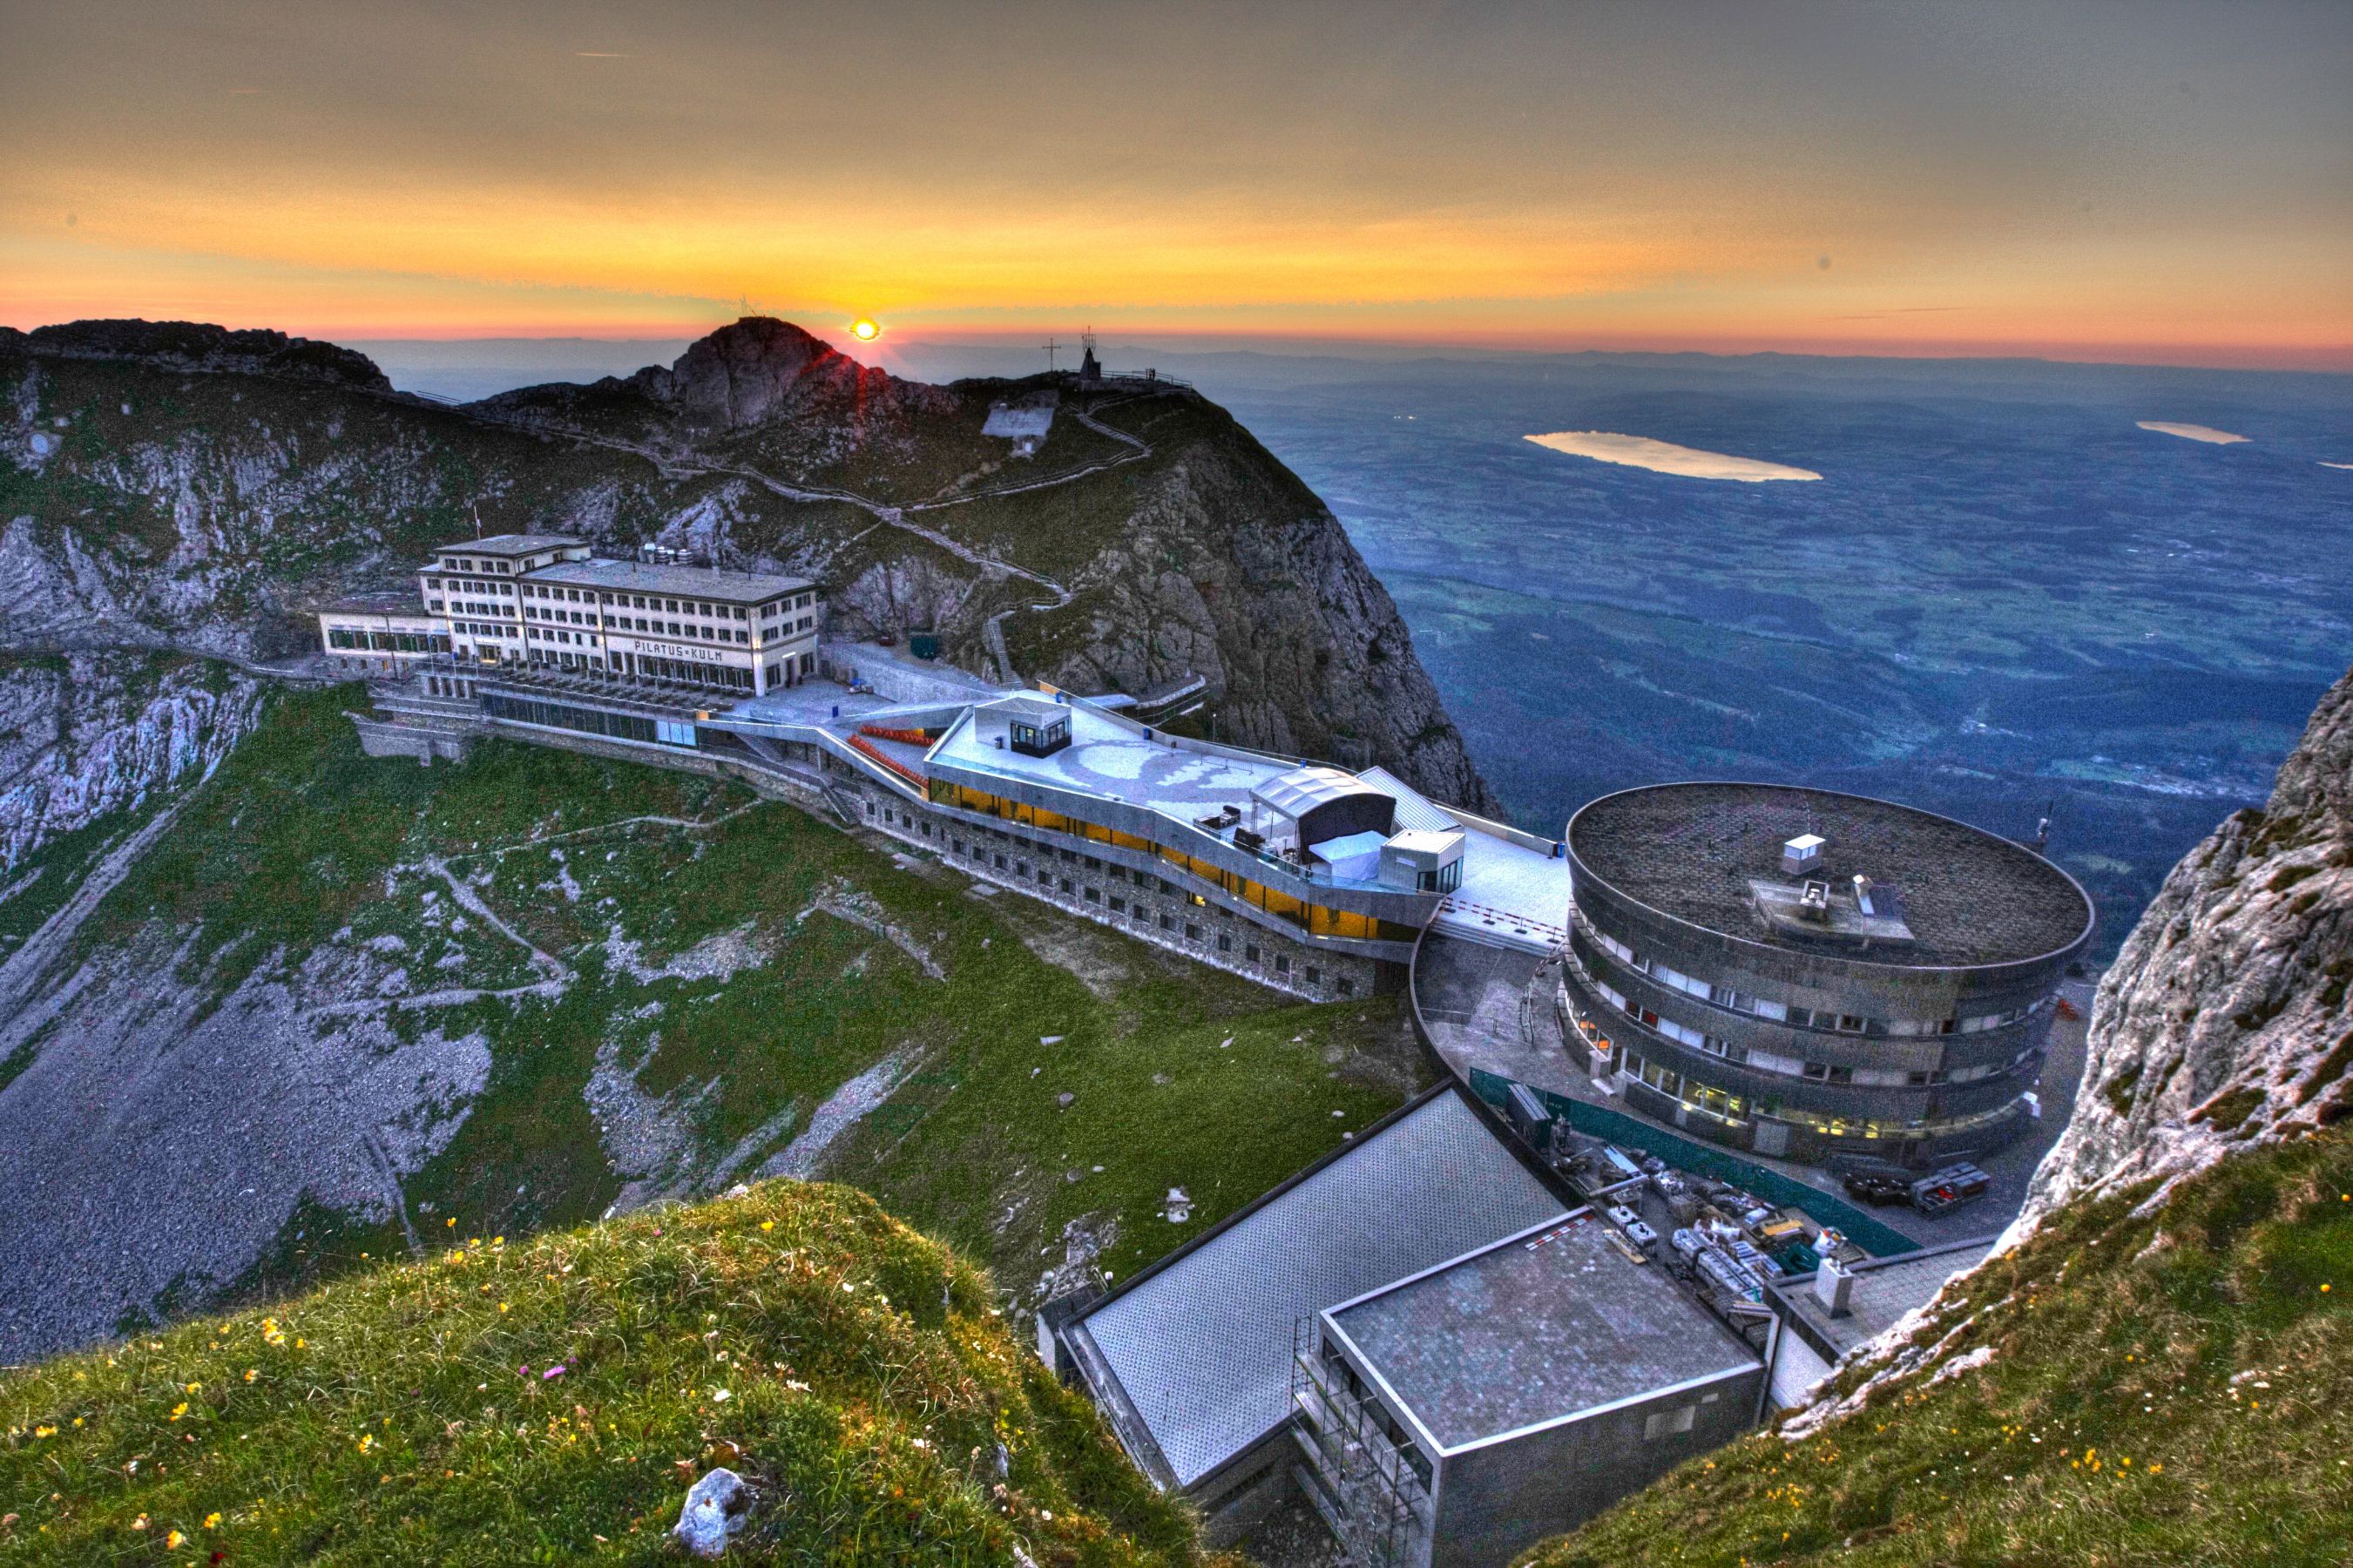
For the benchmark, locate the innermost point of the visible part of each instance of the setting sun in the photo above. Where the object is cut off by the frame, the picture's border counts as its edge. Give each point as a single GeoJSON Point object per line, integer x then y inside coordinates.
{"type": "Point", "coordinates": [865, 330]}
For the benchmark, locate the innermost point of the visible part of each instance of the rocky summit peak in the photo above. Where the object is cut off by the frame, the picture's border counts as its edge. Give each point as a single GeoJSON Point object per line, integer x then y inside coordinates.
{"type": "Point", "coordinates": [753, 368]}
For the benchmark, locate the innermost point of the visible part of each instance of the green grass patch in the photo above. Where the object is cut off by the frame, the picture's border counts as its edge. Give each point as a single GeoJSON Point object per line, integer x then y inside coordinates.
{"type": "Point", "coordinates": [857, 1372]}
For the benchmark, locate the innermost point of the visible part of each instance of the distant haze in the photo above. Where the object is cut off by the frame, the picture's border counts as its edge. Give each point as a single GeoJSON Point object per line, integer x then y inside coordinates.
{"type": "Point", "coordinates": [2105, 179]}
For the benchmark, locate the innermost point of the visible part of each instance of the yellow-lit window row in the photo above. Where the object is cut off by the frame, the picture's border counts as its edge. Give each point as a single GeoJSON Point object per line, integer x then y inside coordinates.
{"type": "Point", "coordinates": [1313, 918]}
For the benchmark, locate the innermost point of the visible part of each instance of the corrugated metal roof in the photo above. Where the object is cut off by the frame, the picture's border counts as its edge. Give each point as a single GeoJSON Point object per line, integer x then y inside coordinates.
{"type": "Point", "coordinates": [1201, 1346]}
{"type": "Point", "coordinates": [1414, 809]}
{"type": "Point", "coordinates": [684, 581]}
{"type": "Point", "coordinates": [1301, 790]}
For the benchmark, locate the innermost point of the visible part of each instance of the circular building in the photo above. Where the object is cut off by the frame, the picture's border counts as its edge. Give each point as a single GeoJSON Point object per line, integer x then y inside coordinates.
{"type": "Point", "coordinates": [1803, 973]}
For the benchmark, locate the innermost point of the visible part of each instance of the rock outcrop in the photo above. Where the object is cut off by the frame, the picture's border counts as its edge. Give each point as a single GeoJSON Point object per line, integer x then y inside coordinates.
{"type": "Point", "coordinates": [175, 486]}
{"type": "Point", "coordinates": [2223, 1023]}
{"type": "Point", "coordinates": [88, 735]}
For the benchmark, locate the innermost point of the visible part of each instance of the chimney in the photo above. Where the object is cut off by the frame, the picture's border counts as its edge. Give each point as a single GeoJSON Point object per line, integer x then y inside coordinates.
{"type": "Point", "coordinates": [1834, 1288]}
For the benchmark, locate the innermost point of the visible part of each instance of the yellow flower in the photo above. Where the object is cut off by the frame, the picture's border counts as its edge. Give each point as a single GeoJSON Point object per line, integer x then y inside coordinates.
{"type": "Point", "coordinates": [498, 1241]}
{"type": "Point", "coordinates": [44, 1431]}
{"type": "Point", "coordinates": [451, 1222]}
{"type": "Point", "coordinates": [212, 1522]}
{"type": "Point", "coordinates": [139, 1523]}
{"type": "Point", "coordinates": [179, 1410]}
{"type": "Point", "coordinates": [502, 1306]}
{"type": "Point", "coordinates": [195, 1387]}
{"type": "Point", "coordinates": [174, 1539]}
{"type": "Point", "coordinates": [251, 1372]}
{"type": "Point", "coordinates": [367, 1441]}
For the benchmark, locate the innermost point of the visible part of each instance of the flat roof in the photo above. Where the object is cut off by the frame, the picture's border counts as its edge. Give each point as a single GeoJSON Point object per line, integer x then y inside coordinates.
{"type": "Point", "coordinates": [1691, 850]}
{"type": "Point", "coordinates": [1201, 1344]}
{"type": "Point", "coordinates": [508, 544]}
{"type": "Point", "coordinates": [681, 582]}
{"type": "Point", "coordinates": [1885, 1290]}
{"type": "Point", "coordinates": [1109, 757]}
{"type": "Point", "coordinates": [1535, 1330]}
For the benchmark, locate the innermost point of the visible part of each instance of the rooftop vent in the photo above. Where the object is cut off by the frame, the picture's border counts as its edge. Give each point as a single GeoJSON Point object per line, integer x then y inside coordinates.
{"type": "Point", "coordinates": [1803, 853]}
{"type": "Point", "coordinates": [1834, 1288]}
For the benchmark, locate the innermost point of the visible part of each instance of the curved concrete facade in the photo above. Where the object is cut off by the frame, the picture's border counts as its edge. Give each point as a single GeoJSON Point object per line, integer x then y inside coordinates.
{"type": "Point", "coordinates": [1799, 1045]}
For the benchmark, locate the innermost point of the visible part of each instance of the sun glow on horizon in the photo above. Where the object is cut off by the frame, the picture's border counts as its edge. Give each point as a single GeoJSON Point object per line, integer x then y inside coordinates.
{"type": "Point", "coordinates": [1565, 178]}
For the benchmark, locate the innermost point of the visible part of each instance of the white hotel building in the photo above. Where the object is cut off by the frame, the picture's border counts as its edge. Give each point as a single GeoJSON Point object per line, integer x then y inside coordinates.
{"type": "Point", "coordinates": [543, 599]}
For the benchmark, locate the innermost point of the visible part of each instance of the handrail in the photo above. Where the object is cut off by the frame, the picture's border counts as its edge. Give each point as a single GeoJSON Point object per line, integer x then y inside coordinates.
{"type": "Point", "coordinates": [873, 752]}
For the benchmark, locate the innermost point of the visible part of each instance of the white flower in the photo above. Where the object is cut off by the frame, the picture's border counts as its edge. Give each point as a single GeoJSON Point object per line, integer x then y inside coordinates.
{"type": "Point", "coordinates": [719, 1396]}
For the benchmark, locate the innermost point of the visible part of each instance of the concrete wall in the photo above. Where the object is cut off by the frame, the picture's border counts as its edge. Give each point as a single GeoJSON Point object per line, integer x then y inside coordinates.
{"type": "Point", "coordinates": [1494, 1502]}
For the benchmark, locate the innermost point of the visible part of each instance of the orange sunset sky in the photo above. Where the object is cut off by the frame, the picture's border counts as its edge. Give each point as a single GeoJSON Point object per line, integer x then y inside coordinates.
{"type": "Point", "coordinates": [2142, 182]}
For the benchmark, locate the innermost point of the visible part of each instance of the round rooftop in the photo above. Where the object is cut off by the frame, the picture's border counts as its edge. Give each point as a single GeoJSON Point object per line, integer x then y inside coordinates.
{"type": "Point", "coordinates": [1697, 852]}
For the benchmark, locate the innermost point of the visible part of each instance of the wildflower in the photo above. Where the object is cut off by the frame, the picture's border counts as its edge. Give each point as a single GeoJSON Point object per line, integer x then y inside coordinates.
{"type": "Point", "coordinates": [179, 1410]}
{"type": "Point", "coordinates": [212, 1522]}
{"type": "Point", "coordinates": [451, 1222]}
{"type": "Point", "coordinates": [498, 1241]}
{"type": "Point", "coordinates": [502, 1306]}
{"type": "Point", "coordinates": [719, 1396]}
{"type": "Point", "coordinates": [767, 1225]}
{"type": "Point", "coordinates": [174, 1539]}
{"type": "Point", "coordinates": [195, 1387]}
{"type": "Point", "coordinates": [251, 1372]}
{"type": "Point", "coordinates": [139, 1523]}
{"type": "Point", "coordinates": [44, 1431]}
{"type": "Point", "coordinates": [367, 1441]}
{"type": "Point", "coordinates": [555, 1370]}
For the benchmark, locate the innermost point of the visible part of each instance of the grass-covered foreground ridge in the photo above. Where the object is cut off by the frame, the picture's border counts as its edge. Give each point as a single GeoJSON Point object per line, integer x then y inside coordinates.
{"type": "Point", "coordinates": [550, 1401]}
{"type": "Point", "coordinates": [2174, 1388]}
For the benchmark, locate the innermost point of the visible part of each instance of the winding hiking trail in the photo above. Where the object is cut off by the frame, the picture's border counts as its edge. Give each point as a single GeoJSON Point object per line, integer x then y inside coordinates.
{"type": "Point", "coordinates": [884, 514]}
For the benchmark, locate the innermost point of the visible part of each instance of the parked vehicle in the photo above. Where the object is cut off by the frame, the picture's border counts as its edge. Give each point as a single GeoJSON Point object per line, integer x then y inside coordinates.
{"type": "Point", "coordinates": [1879, 1188]}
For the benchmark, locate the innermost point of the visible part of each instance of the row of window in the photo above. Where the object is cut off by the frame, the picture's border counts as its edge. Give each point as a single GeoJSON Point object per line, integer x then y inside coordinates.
{"type": "Point", "coordinates": [348, 639]}
{"type": "Point", "coordinates": [1735, 1110]}
{"type": "Point", "coordinates": [1315, 919]}
{"type": "Point", "coordinates": [1824, 1020]}
{"type": "Point", "coordinates": [1797, 1067]}
{"type": "Point", "coordinates": [1011, 862]}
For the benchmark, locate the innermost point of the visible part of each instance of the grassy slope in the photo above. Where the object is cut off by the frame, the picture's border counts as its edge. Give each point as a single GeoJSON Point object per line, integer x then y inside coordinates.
{"type": "Point", "coordinates": [301, 842]}
{"type": "Point", "coordinates": [2166, 1390]}
{"type": "Point", "coordinates": [403, 1414]}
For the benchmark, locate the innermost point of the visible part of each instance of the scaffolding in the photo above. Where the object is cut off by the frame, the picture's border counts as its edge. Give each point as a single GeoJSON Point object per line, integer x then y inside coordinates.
{"type": "Point", "coordinates": [1359, 1473]}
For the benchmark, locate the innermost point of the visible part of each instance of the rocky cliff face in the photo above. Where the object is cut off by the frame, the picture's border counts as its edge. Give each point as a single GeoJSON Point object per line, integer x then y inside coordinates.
{"type": "Point", "coordinates": [177, 486]}
{"type": "Point", "coordinates": [2224, 1024]}
{"type": "Point", "coordinates": [88, 735]}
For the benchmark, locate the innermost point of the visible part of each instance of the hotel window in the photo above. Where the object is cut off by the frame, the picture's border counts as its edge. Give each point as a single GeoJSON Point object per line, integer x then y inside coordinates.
{"type": "Point", "coordinates": [1347, 987]}
{"type": "Point", "coordinates": [1225, 942]}
{"type": "Point", "coordinates": [1192, 932]}
{"type": "Point", "coordinates": [1281, 963]}
{"type": "Point", "coordinates": [1167, 922]}
{"type": "Point", "coordinates": [1118, 905]}
{"type": "Point", "coordinates": [1250, 952]}
{"type": "Point", "coordinates": [1094, 895]}
{"type": "Point", "coordinates": [1315, 976]}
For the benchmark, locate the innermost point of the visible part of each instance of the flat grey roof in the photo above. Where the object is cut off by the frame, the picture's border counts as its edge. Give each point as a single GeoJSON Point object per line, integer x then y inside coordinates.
{"type": "Point", "coordinates": [1885, 1290]}
{"type": "Point", "coordinates": [1690, 850]}
{"type": "Point", "coordinates": [679, 582]}
{"type": "Point", "coordinates": [1201, 1344]}
{"type": "Point", "coordinates": [508, 544]}
{"type": "Point", "coordinates": [1535, 1330]}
